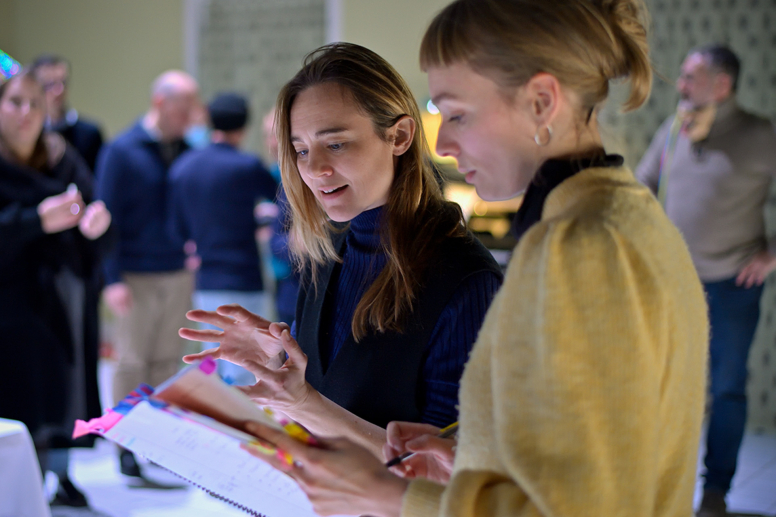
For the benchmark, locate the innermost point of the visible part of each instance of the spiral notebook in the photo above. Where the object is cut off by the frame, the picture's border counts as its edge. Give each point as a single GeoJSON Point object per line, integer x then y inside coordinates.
{"type": "Point", "coordinates": [191, 426]}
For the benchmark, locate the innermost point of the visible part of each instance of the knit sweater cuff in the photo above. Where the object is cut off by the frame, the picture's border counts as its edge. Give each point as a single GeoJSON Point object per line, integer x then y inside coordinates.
{"type": "Point", "coordinates": [422, 499]}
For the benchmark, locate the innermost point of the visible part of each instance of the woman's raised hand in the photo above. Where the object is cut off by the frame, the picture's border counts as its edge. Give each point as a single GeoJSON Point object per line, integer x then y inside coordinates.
{"type": "Point", "coordinates": [247, 339]}
{"type": "Point", "coordinates": [433, 458]}
{"type": "Point", "coordinates": [285, 388]}
{"type": "Point", "coordinates": [95, 221]}
{"type": "Point", "coordinates": [61, 212]}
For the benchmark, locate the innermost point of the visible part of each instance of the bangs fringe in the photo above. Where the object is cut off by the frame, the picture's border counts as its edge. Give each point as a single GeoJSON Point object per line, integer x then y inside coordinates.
{"type": "Point", "coordinates": [446, 40]}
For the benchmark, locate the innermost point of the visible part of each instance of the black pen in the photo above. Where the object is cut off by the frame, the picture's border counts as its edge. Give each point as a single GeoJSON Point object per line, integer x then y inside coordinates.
{"type": "Point", "coordinates": [447, 432]}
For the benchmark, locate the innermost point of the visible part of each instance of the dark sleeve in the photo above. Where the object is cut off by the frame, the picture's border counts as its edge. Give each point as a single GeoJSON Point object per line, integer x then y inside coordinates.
{"type": "Point", "coordinates": [266, 187]}
{"type": "Point", "coordinates": [451, 341]}
{"type": "Point", "coordinates": [19, 225]}
{"type": "Point", "coordinates": [80, 174]}
{"type": "Point", "coordinates": [111, 180]}
{"type": "Point", "coordinates": [279, 241]}
{"type": "Point", "coordinates": [82, 177]}
{"type": "Point", "coordinates": [177, 224]}
{"type": "Point", "coordinates": [93, 147]}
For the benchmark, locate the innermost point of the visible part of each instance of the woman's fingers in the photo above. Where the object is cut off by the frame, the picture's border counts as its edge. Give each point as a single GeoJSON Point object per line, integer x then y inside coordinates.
{"type": "Point", "coordinates": [280, 440]}
{"type": "Point", "coordinates": [292, 348]}
{"type": "Point", "coordinates": [215, 353]}
{"type": "Point", "coordinates": [398, 433]}
{"type": "Point", "coordinates": [206, 335]}
{"type": "Point", "coordinates": [273, 457]}
{"type": "Point", "coordinates": [240, 313]}
{"type": "Point", "coordinates": [276, 328]}
{"type": "Point", "coordinates": [430, 444]}
{"type": "Point", "coordinates": [210, 317]}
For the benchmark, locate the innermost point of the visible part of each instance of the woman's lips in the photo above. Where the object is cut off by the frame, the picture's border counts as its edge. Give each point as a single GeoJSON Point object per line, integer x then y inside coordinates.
{"type": "Point", "coordinates": [329, 193]}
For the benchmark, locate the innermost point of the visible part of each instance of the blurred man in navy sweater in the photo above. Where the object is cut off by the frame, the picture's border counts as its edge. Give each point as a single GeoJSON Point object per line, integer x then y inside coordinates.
{"type": "Point", "coordinates": [147, 286]}
{"type": "Point", "coordinates": [213, 192]}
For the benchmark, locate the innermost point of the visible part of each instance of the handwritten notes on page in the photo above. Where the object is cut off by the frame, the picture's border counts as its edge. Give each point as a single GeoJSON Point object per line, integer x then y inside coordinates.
{"type": "Point", "coordinates": [211, 460]}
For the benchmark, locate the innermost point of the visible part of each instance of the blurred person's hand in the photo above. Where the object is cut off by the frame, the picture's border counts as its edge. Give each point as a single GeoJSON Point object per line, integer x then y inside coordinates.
{"type": "Point", "coordinates": [433, 458]}
{"type": "Point", "coordinates": [118, 298]}
{"type": "Point", "coordinates": [61, 212]}
{"type": "Point", "coordinates": [247, 339]}
{"type": "Point", "coordinates": [266, 210]}
{"type": "Point", "coordinates": [95, 221]}
{"type": "Point", "coordinates": [757, 269]}
{"type": "Point", "coordinates": [264, 234]}
{"type": "Point", "coordinates": [192, 263]}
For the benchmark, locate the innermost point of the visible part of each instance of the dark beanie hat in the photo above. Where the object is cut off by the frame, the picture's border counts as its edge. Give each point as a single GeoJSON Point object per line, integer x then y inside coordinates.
{"type": "Point", "coordinates": [228, 112]}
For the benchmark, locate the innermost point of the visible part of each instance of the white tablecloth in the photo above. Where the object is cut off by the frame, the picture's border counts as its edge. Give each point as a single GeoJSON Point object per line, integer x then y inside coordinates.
{"type": "Point", "coordinates": [21, 484]}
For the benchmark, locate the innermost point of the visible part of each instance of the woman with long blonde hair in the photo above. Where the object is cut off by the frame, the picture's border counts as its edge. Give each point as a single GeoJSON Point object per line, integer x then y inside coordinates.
{"type": "Point", "coordinates": [394, 288]}
{"type": "Point", "coordinates": [584, 393]}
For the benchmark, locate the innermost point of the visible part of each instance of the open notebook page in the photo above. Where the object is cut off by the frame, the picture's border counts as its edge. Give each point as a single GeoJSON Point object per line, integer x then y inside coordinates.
{"type": "Point", "coordinates": [210, 459]}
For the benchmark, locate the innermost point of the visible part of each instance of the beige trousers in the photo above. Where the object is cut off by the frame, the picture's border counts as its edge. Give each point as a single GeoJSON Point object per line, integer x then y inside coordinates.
{"type": "Point", "coordinates": [147, 342]}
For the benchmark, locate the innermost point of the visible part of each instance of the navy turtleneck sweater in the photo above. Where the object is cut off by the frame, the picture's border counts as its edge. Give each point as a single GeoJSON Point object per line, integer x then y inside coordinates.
{"type": "Point", "coordinates": [454, 333]}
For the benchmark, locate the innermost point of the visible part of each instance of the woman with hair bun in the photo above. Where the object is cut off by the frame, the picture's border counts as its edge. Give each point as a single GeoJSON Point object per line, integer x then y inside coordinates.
{"type": "Point", "coordinates": [584, 392]}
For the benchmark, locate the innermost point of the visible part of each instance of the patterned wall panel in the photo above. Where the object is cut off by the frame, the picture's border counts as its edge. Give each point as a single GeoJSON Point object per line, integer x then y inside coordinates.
{"type": "Point", "coordinates": [255, 48]}
{"type": "Point", "coordinates": [749, 28]}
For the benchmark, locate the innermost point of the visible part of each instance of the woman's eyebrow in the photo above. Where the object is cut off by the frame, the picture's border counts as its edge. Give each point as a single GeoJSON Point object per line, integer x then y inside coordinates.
{"type": "Point", "coordinates": [330, 131]}
{"type": "Point", "coordinates": [322, 132]}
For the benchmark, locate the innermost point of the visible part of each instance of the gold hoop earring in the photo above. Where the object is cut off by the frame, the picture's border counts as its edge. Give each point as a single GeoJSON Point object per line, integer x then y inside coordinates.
{"type": "Point", "coordinates": [538, 140]}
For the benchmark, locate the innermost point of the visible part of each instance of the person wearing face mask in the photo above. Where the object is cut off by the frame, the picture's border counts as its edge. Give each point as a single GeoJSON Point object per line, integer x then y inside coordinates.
{"type": "Point", "coordinates": [52, 235]}
{"type": "Point", "coordinates": [146, 285]}
{"type": "Point", "coordinates": [212, 195]}
{"type": "Point", "coordinates": [394, 287]}
{"type": "Point", "coordinates": [53, 72]}
{"type": "Point", "coordinates": [584, 392]}
{"type": "Point", "coordinates": [711, 166]}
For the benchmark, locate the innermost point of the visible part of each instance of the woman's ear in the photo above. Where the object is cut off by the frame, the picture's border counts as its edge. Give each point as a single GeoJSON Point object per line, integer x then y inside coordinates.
{"type": "Point", "coordinates": [402, 134]}
{"type": "Point", "coordinates": [544, 94]}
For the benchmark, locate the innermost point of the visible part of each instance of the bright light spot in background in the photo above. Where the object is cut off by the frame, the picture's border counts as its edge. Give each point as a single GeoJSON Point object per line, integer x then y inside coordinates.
{"type": "Point", "coordinates": [431, 108]}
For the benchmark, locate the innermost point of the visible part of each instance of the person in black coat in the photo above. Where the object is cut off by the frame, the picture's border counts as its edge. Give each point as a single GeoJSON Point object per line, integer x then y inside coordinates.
{"type": "Point", "coordinates": [53, 73]}
{"type": "Point", "coordinates": [52, 236]}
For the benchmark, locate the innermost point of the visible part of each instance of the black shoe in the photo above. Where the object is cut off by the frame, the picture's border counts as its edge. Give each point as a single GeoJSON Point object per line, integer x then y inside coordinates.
{"type": "Point", "coordinates": [135, 476]}
{"type": "Point", "coordinates": [712, 505]}
{"type": "Point", "coordinates": [128, 464]}
{"type": "Point", "coordinates": [68, 495]}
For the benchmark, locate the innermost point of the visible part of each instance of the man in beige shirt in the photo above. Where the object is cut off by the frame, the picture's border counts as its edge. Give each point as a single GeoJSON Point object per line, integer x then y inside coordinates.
{"type": "Point", "coordinates": [711, 165]}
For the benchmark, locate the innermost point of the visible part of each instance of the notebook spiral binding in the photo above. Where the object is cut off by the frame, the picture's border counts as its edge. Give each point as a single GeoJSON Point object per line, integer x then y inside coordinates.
{"type": "Point", "coordinates": [213, 494]}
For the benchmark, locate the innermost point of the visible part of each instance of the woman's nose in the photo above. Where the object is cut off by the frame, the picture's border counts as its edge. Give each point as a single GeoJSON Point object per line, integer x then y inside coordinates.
{"type": "Point", "coordinates": [445, 145]}
{"type": "Point", "coordinates": [317, 165]}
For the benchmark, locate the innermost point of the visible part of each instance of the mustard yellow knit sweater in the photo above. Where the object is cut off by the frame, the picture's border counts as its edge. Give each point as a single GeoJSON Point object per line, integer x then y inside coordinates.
{"type": "Point", "coordinates": [584, 393]}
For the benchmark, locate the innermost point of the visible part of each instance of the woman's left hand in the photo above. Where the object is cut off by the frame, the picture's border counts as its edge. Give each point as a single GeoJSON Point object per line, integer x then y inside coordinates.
{"type": "Point", "coordinates": [284, 389]}
{"type": "Point", "coordinates": [338, 476]}
{"type": "Point", "coordinates": [95, 221]}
